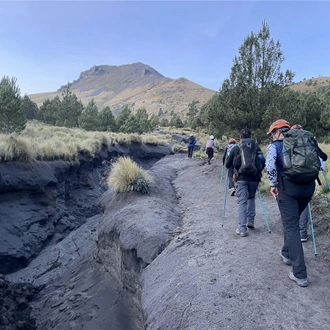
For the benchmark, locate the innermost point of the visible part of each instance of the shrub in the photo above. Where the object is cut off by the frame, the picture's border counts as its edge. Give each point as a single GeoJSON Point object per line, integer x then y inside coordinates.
{"type": "Point", "coordinates": [177, 147]}
{"type": "Point", "coordinates": [126, 176]}
{"type": "Point", "coordinates": [14, 148]}
{"type": "Point", "coordinates": [200, 154]}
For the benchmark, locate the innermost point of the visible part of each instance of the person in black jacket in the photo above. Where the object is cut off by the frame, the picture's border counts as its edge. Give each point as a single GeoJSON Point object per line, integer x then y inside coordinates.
{"type": "Point", "coordinates": [246, 184]}
{"type": "Point", "coordinates": [231, 184]}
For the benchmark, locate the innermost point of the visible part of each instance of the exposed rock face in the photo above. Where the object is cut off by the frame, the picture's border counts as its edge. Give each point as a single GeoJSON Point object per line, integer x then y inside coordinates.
{"type": "Point", "coordinates": [43, 201]}
{"type": "Point", "coordinates": [15, 306]}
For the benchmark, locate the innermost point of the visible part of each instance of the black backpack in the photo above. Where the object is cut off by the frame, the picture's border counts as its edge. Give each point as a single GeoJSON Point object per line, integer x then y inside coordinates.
{"type": "Point", "coordinates": [250, 160]}
{"type": "Point", "coordinates": [191, 140]}
{"type": "Point", "coordinates": [300, 156]}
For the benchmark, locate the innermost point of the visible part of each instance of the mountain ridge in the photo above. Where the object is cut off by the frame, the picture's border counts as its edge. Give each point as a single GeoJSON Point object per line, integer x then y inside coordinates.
{"type": "Point", "coordinates": [136, 85]}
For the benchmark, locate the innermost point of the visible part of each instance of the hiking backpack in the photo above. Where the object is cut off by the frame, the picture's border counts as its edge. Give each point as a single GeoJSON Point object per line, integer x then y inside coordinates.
{"type": "Point", "coordinates": [229, 147]}
{"type": "Point", "coordinates": [300, 156]}
{"type": "Point", "coordinates": [209, 143]}
{"type": "Point", "coordinates": [191, 140]}
{"type": "Point", "coordinates": [250, 160]}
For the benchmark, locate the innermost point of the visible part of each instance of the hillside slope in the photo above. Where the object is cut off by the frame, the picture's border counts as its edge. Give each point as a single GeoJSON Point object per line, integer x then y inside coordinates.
{"type": "Point", "coordinates": [137, 85]}
{"type": "Point", "coordinates": [311, 85]}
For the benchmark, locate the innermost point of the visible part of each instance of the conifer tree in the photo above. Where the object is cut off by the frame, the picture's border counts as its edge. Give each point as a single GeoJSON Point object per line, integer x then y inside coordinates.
{"type": "Point", "coordinates": [12, 118]}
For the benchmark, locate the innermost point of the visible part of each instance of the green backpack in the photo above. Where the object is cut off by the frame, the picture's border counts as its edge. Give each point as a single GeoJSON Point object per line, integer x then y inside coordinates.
{"type": "Point", "coordinates": [300, 156]}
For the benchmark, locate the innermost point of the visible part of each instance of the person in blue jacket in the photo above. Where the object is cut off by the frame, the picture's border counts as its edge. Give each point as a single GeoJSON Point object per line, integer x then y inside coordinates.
{"type": "Point", "coordinates": [191, 144]}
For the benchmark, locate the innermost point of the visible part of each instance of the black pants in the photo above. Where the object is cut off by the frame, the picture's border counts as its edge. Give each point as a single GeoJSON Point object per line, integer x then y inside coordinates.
{"type": "Point", "coordinates": [292, 200]}
{"type": "Point", "coordinates": [210, 153]}
{"type": "Point", "coordinates": [190, 151]}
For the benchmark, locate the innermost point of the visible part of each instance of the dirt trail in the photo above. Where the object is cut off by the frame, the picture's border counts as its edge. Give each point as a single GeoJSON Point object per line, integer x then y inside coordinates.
{"type": "Point", "coordinates": [210, 278]}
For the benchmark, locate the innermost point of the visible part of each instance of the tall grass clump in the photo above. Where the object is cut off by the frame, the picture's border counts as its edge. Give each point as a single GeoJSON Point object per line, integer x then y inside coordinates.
{"type": "Point", "coordinates": [14, 148]}
{"type": "Point", "coordinates": [126, 176]}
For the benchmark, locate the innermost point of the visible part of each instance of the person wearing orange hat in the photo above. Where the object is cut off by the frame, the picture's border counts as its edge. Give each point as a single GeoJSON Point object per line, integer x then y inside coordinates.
{"type": "Point", "coordinates": [231, 185]}
{"type": "Point", "coordinates": [292, 199]}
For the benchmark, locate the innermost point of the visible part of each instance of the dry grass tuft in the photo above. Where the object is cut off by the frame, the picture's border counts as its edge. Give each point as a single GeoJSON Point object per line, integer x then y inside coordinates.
{"type": "Point", "coordinates": [45, 142]}
{"type": "Point", "coordinates": [126, 176]}
{"type": "Point", "coordinates": [14, 148]}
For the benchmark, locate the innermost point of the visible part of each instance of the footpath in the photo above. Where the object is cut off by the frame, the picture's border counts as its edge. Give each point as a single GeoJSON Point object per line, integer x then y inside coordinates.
{"type": "Point", "coordinates": [210, 278]}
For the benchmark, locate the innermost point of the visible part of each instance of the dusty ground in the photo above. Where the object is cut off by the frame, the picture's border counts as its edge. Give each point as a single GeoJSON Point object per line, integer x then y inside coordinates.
{"type": "Point", "coordinates": [207, 277]}
{"type": "Point", "coordinates": [210, 278]}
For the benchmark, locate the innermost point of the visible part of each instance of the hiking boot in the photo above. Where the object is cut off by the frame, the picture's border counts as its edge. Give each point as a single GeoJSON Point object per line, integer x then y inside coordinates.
{"type": "Point", "coordinates": [241, 233]}
{"type": "Point", "coordinates": [304, 238]}
{"type": "Point", "coordinates": [250, 225]}
{"type": "Point", "coordinates": [300, 281]}
{"type": "Point", "coordinates": [284, 259]}
{"type": "Point", "coordinates": [232, 191]}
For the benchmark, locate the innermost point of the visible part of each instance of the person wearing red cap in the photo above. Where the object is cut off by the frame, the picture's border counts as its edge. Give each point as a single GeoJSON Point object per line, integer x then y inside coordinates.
{"type": "Point", "coordinates": [231, 185]}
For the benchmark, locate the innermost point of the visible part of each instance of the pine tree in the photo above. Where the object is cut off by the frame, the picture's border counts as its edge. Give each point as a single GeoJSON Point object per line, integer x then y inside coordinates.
{"type": "Point", "coordinates": [123, 117]}
{"type": "Point", "coordinates": [255, 83]}
{"type": "Point", "coordinates": [70, 110]}
{"type": "Point", "coordinates": [12, 118]}
{"type": "Point", "coordinates": [29, 108]}
{"type": "Point", "coordinates": [107, 120]}
{"type": "Point", "coordinates": [89, 119]}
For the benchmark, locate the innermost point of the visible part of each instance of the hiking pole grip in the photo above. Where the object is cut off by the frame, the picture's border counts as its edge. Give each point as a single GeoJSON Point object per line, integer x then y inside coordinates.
{"type": "Point", "coordinates": [312, 228]}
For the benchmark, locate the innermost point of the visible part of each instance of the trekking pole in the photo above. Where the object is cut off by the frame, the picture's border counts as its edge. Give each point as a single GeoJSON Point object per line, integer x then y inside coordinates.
{"type": "Point", "coordinates": [263, 210]}
{"type": "Point", "coordinates": [224, 203]}
{"type": "Point", "coordinates": [312, 227]}
{"type": "Point", "coordinates": [221, 178]}
{"type": "Point", "coordinates": [326, 179]}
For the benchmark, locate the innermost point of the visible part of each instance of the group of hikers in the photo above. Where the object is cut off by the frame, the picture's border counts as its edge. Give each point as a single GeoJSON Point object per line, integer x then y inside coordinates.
{"type": "Point", "coordinates": [293, 161]}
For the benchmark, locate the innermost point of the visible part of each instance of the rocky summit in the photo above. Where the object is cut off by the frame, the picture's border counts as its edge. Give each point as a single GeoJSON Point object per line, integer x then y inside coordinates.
{"type": "Point", "coordinates": [136, 85]}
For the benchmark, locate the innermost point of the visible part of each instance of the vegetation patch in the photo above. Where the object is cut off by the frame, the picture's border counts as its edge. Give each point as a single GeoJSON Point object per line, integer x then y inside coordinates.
{"type": "Point", "coordinates": [126, 176]}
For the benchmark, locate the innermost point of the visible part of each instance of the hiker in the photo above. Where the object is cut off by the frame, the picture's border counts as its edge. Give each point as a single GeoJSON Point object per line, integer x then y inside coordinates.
{"type": "Point", "coordinates": [303, 221]}
{"type": "Point", "coordinates": [248, 162]}
{"type": "Point", "coordinates": [231, 185]}
{"type": "Point", "coordinates": [292, 195]}
{"type": "Point", "coordinates": [191, 143]}
{"type": "Point", "coordinates": [210, 145]}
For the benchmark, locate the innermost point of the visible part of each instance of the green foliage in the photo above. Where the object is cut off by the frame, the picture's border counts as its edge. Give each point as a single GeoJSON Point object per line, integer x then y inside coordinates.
{"type": "Point", "coordinates": [107, 120]}
{"type": "Point", "coordinates": [255, 84]}
{"type": "Point", "coordinates": [130, 124]}
{"type": "Point", "coordinates": [164, 122]}
{"type": "Point", "coordinates": [29, 108]}
{"type": "Point", "coordinates": [70, 110]}
{"type": "Point", "coordinates": [192, 114]}
{"type": "Point", "coordinates": [154, 121]}
{"type": "Point", "coordinates": [49, 110]}
{"type": "Point", "coordinates": [89, 119]}
{"type": "Point", "coordinates": [62, 113]}
{"type": "Point", "coordinates": [122, 117]}
{"type": "Point", "coordinates": [12, 118]}
{"type": "Point", "coordinates": [143, 124]}
{"type": "Point", "coordinates": [176, 121]}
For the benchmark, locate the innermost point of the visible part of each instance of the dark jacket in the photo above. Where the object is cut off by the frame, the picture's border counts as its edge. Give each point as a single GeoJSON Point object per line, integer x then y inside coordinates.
{"type": "Point", "coordinates": [193, 142]}
{"type": "Point", "coordinates": [230, 161]}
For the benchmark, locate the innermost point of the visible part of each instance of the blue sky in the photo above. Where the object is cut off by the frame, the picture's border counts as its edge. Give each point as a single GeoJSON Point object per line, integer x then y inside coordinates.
{"type": "Point", "coordinates": [46, 44]}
